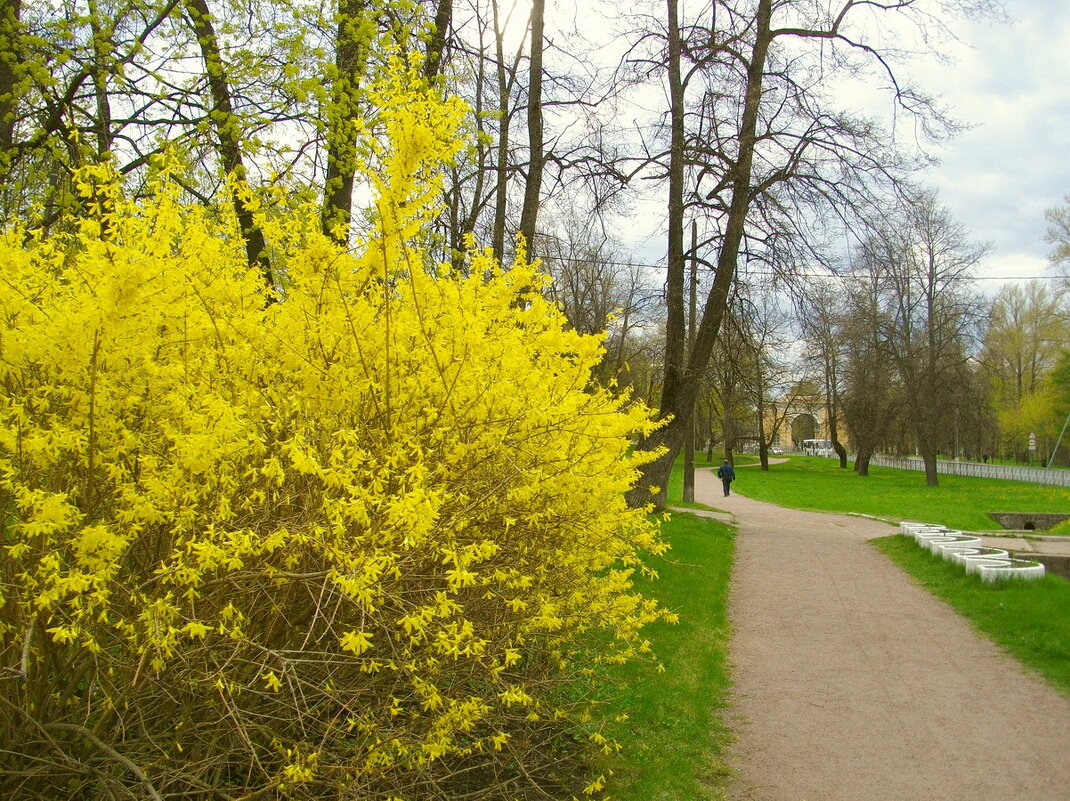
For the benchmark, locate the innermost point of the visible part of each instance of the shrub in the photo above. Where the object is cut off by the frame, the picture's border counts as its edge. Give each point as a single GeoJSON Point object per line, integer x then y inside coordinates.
{"type": "Point", "coordinates": [348, 544]}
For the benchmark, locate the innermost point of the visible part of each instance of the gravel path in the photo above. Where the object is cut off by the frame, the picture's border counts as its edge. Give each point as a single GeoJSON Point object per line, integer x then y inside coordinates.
{"type": "Point", "coordinates": [853, 684]}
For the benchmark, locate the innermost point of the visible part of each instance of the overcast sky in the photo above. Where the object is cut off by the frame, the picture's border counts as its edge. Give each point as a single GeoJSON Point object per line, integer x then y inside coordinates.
{"type": "Point", "coordinates": [1012, 82]}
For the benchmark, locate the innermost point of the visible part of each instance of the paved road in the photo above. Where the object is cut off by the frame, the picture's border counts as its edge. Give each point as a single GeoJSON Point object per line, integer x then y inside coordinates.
{"type": "Point", "coordinates": [853, 684]}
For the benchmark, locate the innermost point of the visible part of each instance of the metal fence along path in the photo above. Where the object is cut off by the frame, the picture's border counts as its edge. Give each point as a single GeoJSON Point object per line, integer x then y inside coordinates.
{"type": "Point", "coordinates": [1034, 475]}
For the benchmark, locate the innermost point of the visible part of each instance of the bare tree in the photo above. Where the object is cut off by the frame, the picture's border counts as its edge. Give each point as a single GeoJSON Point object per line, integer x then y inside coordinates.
{"type": "Point", "coordinates": [821, 317]}
{"type": "Point", "coordinates": [763, 146]}
{"type": "Point", "coordinates": [932, 315]}
{"type": "Point", "coordinates": [1058, 234]}
{"type": "Point", "coordinates": [506, 75]}
{"type": "Point", "coordinates": [503, 185]}
{"type": "Point", "coordinates": [871, 399]}
{"type": "Point", "coordinates": [765, 366]}
{"type": "Point", "coordinates": [730, 379]}
{"type": "Point", "coordinates": [599, 292]}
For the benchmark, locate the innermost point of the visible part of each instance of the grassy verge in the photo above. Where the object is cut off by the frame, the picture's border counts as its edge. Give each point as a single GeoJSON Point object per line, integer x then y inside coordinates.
{"type": "Point", "coordinates": [807, 482]}
{"type": "Point", "coordinates": [1030, 619]}
{"type": "Point", "coordinates": [672, 741]}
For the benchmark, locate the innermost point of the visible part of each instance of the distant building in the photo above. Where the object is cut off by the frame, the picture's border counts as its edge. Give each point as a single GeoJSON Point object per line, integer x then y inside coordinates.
{"type": "Point", "coordinates": [803, 425]}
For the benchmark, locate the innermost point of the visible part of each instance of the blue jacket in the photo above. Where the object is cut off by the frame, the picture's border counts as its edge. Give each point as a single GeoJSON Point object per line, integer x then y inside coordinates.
{"type": "Point", "coordinates": [725, 472]}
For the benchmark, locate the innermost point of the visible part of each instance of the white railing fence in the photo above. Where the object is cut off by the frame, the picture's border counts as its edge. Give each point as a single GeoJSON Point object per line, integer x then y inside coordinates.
{"type": "Point", "coordinates": [1034, 475]}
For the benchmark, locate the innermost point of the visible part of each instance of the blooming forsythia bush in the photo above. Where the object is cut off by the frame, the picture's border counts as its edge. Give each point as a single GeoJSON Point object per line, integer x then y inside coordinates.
{"type": "Point", "coordinates": [345, 542]}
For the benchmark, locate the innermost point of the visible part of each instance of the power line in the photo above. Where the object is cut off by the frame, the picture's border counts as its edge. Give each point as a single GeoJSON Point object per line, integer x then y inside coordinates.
{"type": "Point", "coordinates": [645, 265]}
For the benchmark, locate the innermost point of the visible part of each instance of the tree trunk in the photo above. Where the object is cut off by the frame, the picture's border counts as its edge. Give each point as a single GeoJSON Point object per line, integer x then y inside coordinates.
{"type": "Point", "coordinates": [926, 426]}
{"type": "Point", "coordinates": [709, 435]}
{"type": "Point", "coordinates": [675, 325]}
{"type": "Point", "coordinates": [99, 73]}
{"type": "Point", "coordinates": [10, 58]}
{"type": "Point", "coordinates": [862, 458]}
{"type": "Point", "coordinates": [689, 464]}
{"type": "Point", "coordinates": [928, 455]}
{"type": "Point", "coordinates": [680, 391]}
{"type": "Point", "coordinates": [461, 228]}
{"type": "Point", "coordinates": [834, 433]}
{"type": "Point", "coordinates": [501, 196]}
{"type": "Point", "coordinates": [352, 39]}
{"type": "Point", "coordinates": [689, 439]}
{"type": "Point", "coordinates": [227, 129]}
{"type": "Point", "coordinates": [763, 448]}
{"type": "Point", "coordinates": [536, 158]}
{"type": "Point", "coordinates": [841, 452]}
{"type": "Point", "coordinates": [436, 45]}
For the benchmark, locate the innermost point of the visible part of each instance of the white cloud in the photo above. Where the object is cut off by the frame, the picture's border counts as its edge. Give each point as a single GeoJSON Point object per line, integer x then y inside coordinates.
{"type": "Point", "coordinates": [1012, 82]}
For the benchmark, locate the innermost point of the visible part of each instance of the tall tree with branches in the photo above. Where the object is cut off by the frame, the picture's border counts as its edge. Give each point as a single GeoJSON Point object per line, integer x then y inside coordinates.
{"type": "Point", "coordinates": [932, 317]}
{"type": "Point", "coordinates": [870, 399]}
{"type": "Point", "coordinates": [762, 149]}
{"type": "Point", "coordinates": [821, 316]}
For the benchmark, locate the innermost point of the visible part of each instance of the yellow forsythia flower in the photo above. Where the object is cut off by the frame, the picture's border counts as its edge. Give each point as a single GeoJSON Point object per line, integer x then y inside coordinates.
{"type": "Point", "coordinates": [209, 486]}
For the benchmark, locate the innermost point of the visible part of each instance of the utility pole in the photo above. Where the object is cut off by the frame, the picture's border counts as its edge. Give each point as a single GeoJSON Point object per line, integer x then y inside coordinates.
{"type": "Point", "coordinates": [1058, 442]}
{"type": "Point", "coordinates": [689, 437]}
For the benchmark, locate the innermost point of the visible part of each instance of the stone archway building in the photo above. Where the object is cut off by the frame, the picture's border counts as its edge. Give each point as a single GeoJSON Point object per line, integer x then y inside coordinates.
{"type": "Point", "coordinates": [806, 417]}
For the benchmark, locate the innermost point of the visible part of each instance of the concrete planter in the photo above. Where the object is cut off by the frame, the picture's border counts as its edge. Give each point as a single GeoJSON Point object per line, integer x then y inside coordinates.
{"type": "Point", "coordinates": [1024, 569]}
{"type": "Point", "coordinates": [991, 564]}
{"type": "Point", "coordinates": [965, 556]}
{"type": "Point", "coordinates": [938, 544]}
{"type": "Point", "coordinates": [954, 545]}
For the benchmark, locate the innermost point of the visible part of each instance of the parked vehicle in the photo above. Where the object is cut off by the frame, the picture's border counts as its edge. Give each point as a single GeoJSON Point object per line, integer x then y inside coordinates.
{"type": "Point", "coordinates": [817, 447]}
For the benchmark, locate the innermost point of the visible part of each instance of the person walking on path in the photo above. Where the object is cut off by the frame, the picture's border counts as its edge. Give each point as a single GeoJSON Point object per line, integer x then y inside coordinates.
{"type": "Point", "coordinates": [727, 476]}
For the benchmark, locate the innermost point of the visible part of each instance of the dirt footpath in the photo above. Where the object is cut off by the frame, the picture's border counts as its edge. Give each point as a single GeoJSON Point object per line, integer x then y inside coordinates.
{"type": "Point", "coordinates": [853, 684]}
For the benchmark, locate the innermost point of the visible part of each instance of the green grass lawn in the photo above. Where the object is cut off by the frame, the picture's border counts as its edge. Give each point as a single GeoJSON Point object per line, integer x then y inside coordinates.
{"type": "Point", "coordinates": [673, 740]}
{"type": "Point", "coordinates": [819, 484]}
{"type": "Point", "coordinates": [1031, 619]}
